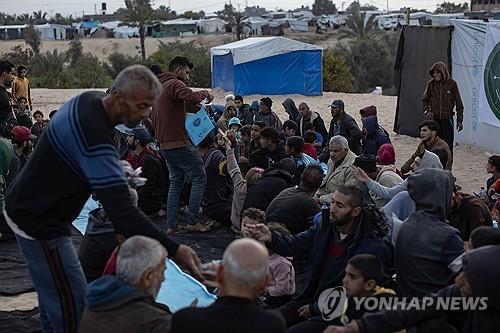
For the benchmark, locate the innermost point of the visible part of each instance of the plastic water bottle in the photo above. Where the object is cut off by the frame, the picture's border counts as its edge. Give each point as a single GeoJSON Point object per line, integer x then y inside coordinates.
{"type": "Point", "coordinates": [325, 213]}
{"type": "Point", "coordinates": [482, 193]}
{"type": "Point", "coordinates": [495, 224]}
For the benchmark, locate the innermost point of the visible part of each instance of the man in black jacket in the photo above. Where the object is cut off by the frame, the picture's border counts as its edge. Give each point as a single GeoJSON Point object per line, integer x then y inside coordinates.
{"type": "Point", "coordinates": [314, 119]}
{"type": "Point", "coordinates": [345, 125]}
{"type": "Point", "coordinates": [350, 228]}
{"type": "Point", "coordinates": [270, 151]}
{"type": "Point", "coordinates": [7, 117]}
{"type": "Point", "coordinates": [241, 278]}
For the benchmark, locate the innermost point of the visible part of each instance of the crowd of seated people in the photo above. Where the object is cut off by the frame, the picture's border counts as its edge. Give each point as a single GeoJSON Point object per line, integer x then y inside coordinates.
{"type": "Point", "coordinates": [316, 209]}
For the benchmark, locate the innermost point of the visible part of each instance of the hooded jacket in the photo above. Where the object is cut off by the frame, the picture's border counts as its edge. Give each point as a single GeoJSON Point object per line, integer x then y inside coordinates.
{"type": "Point", "coordinates": [386, 155]}
{"type": "Point", "coordinates": [5, 158]}
{"type": "Point", "coordinates": [223, 122]}
{"type": "Point", "coordinates": [374, 137]}
{"type": "Point", "coordinates": [426, 244]}
{"type": "Point", "coordinates": [169, 113]}
{"type": "Point", "coordinates": [291, 109]}
{"type": "Point", "coordinates": [114, 306]}
{"type": "Point", "coordinates": [471, 214]}
{"type": "Point", "coordinates": [483, 278]}
{"type": "Point", "coordinates": [432, 146]}
{"type": "Point", "coordinates": [367, 236]}
{"type": "Point", "coordinates": [267, 188]}
{"type": "Point", "coordinates": [271, 119]}
{"type": "Point", "coordinates": [440, 98]}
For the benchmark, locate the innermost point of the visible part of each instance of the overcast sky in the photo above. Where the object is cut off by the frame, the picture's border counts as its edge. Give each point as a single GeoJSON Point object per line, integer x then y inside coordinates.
{"type": "Point", "coordinates": [77, 7]}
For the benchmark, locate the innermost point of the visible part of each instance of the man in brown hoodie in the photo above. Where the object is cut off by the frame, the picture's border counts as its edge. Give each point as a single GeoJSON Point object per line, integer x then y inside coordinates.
{"type": "Point", "coordinates": [431, 142]}
{"type": "Point", "coordinates": [182, 157]}
{"type": "Point", "coordinates": [440, 98]}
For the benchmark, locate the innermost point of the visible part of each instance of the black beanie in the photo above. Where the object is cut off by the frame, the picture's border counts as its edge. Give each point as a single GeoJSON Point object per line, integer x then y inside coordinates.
{"type": "Point", "coordinates": [366, 162]}
{"type": "Point", "coordinates": [267, 101]}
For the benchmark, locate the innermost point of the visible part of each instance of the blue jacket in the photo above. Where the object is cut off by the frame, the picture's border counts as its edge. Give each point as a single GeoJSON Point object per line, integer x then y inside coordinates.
{"type": "Point", "coordinates": [312, 244]}
{"type": "Point", "coordinates": [374, 136]}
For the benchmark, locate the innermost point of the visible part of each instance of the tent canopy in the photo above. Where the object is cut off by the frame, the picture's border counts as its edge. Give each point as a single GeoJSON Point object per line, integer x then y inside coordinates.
{"type": "Point", "coordinates": [256, 48]}
{"type": "Point", "coordinates": [285, 66]}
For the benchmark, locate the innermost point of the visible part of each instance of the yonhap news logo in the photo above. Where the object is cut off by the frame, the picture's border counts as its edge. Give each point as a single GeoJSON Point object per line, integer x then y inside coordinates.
{"type": "Point", "coordinates": [332, 303]}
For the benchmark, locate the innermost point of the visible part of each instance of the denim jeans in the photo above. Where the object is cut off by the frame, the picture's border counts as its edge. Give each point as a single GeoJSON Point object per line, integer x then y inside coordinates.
{"type": "Point", "coordinates": [59, 282]}
{"type": "Point", "coordinates": [182, 162]}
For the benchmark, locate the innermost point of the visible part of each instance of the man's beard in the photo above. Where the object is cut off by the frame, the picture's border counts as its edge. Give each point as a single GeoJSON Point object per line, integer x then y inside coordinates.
{"type": "Point", "coordinates": [153, 290]}
{"type": "Point", "coordinates": [343, 220]}
{"type": "Point", "coordinates": [132, 146]}
{"type": "Point", "coordinates": [7, 83]}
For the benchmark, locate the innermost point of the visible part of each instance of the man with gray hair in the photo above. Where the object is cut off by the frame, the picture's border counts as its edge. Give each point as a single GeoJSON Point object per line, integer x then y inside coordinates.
{"type": "Point", "coordinates": [339, 169]}
{"type": "Point", "coordinates": [75, 158]}
{"type": "Point", "coordinates": [241, 278]}
{"type": "Point", "coordinates": [126, 302]}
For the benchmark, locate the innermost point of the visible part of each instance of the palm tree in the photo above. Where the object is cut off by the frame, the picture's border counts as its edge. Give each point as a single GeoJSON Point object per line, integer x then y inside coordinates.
{"type": "Point", "coordinates": [40, 17]}
{"type": "Point", "coordinates": [139, 14]}
{"type": "Point", "coordinates": [24, 18]}
{"type": "Point", "coordinates": [358, 27]}
{"type": "Point", "coordinates": [237, 22]}
{"type": "Point", "coordinates": [164, 13]}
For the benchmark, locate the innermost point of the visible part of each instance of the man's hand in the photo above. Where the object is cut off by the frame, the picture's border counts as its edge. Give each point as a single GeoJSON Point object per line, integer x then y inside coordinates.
{"type": "Point", "coordinates": [188, 259]}
{"type": "Point", "coordinates": [429, 116]}
{"type": "Point", "coordinates": [352, 327]}
{"type": "Point", "coordinates": [460, 126]}
{"type": "Point", "coordinates": [360, 174]}
{"type": "Point", "coordinates": [210, 97]}
{"type": "Point", "coordinates": [209, 271]}
{"type": "Point", "coordinates": [231, 135]}
{"type": "Point", "coordinates": [305, 311]}
{"type": "Point", "coordinates": [259, 232]}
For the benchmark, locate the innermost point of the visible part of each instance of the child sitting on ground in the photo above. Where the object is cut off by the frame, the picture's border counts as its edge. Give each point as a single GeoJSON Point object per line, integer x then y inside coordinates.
{"type": "Point", "coordinates": [363, 274]}
{"type": "Point", "coordinates": [309, 140]}
{"type": "Point", "coordinates": [282, 286]}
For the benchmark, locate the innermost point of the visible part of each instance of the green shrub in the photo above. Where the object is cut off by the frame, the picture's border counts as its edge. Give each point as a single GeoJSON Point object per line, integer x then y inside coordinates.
{"type": "Point", "coordinates": [200, 56]}
{"type": "Point", "coordinates": [119, 61]}
{"type": "Point", "coordinates": [337, 75]}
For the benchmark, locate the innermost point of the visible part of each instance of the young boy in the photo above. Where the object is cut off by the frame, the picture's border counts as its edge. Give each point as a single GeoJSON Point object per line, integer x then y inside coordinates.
{"type": "Point", "coordinates": [39, 125]}
{"type": "Point", "coordinates": [23, 113]}
{"type": "Point", "coordinates": [21, 86]}
{"type": "Point", "coordinates": [363, 273]}
{"type": "Point", "coordinates": [282, 286]}
{"type": "Point", "coordinates": [255, 135]}
{"type": "Point", "coordinates": [309, 139]}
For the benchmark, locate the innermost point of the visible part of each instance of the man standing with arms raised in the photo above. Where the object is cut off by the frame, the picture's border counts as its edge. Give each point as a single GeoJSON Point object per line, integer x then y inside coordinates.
{"type": "Point", "coordinates": [182, 157]}
{"type": "Point", "coordinates": [74, 158]}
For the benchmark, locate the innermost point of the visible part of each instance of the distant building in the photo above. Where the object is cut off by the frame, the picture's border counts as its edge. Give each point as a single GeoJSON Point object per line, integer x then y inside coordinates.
{"type": "Point", "coordinates": [175, 28]}
{"type": "Point", "coordinates": [103, 18]}
{"type": "Point", "coordinates": [486, 5]}
{"type": "Point", "coordinates": [254, 11]}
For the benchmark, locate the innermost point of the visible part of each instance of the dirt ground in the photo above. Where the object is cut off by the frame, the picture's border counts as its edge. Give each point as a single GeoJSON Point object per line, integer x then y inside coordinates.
{"type": "Point", "coordinates": [469, 161]}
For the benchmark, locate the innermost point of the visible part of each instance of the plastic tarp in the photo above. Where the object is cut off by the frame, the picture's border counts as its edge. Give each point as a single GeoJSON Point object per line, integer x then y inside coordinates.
{"type": "Point", "coordinates": [419, 48]}
{"type": "Point", "coordinates": [125, 32]}
{"type": "Point", "coordinates": [290, 70]}
{"type": "Point", "coordinates": [212, 25]}
{"type": "Point", "coordinates": [299, 25]}
{"type": "Point", "coordinates": [256, 48]}
{"type": "Point", "coordinates": [468, 45]}
{"type": "Point", "coordinates": [178, 290]}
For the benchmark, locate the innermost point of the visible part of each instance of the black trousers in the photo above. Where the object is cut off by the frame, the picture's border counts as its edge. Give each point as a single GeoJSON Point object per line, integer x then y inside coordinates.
{"type": "Point", "coordinates": [296, 324]}
{"type": "Point", "coordinates": [446, 131]}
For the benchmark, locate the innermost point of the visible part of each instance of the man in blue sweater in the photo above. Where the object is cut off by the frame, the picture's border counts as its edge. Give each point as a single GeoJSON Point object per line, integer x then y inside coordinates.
{"type": "Point", "coordinates": [73, 159]}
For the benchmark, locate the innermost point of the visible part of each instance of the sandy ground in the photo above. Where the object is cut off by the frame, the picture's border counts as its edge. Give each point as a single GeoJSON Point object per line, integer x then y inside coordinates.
{"type": "Point", "coordinates": [103, 47]}
{"type": "Point", "coordinates": [469, 161]}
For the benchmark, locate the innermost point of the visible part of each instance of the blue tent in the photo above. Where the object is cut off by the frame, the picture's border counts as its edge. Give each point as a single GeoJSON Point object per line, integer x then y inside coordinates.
{"type": "Point", "coordinates": [268, 66]}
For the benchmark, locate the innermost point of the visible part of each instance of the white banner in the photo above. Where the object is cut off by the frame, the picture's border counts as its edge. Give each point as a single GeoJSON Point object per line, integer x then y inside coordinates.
{"type": "Point", "coordinates": [489, 101]}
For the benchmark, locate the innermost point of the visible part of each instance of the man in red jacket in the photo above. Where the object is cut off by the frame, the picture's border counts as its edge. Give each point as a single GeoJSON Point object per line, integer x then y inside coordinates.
{"type": "Point", "coordinates": [182, 157]}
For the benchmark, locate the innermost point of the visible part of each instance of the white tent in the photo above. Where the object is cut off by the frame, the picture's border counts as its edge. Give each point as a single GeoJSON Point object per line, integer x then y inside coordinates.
{"type": "Point", "coordinates": [474, 49]}
{"type": "Point", "coordinates": [212, 25]}
{"type": "Point", "coordinates": [52, 31]}
{"type": "Point", "coordinates": [253, 26]}
{"type": "Point", "coordinates": [126, 32]}
{"type": "Point", "coordinates": [299, 25]}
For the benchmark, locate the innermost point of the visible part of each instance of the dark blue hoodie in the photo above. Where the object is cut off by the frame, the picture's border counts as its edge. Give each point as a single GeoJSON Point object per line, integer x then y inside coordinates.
{"type": "Point", "coordinates": [374, 136]}
{"type": "Point", "coordinates": [109, 292]}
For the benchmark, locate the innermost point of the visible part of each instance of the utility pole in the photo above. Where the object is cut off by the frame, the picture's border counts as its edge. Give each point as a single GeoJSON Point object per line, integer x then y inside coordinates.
{"type": "Point", "coordinates": [408, 16]}
{"type": "Point", "coordinates": [95, 9]}
{"type": "Point", "coordinates": [387, 6]}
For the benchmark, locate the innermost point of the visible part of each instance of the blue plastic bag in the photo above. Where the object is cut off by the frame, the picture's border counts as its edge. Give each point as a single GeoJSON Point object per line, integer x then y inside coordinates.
{"type": "Point", "coordinates": [198, 125]}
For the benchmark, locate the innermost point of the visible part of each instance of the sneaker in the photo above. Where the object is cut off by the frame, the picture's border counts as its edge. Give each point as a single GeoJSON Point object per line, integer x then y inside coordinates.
{"type": "Point", "coordinates": [198, 227]}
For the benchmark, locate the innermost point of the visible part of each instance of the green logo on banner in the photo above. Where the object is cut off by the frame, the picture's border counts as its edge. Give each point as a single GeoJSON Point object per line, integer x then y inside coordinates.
{"type": "Point", "coordinates": [492, 80]}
